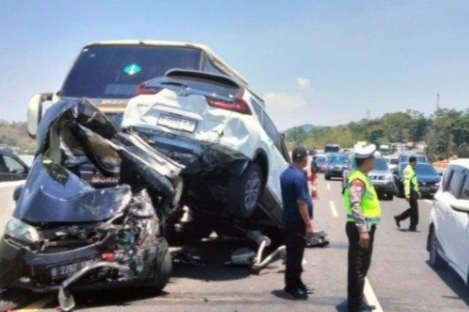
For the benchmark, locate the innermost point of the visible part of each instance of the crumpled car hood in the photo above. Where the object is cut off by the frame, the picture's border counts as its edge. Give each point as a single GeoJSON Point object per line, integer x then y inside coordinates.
{"type": "Point", "coordinates": [54, 193]}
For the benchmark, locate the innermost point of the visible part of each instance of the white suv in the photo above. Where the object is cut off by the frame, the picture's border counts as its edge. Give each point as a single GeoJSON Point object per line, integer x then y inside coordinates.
{"type": "Point", "coordinates": [448, 237]}
{"type": "Point", "coordinates": [218, 129]}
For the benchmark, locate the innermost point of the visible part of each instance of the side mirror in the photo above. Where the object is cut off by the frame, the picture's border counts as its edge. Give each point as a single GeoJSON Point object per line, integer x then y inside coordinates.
{"type": "Point", "coordinates": [460, 205]}
{"type": "Point", "coordinates": [35, 112]}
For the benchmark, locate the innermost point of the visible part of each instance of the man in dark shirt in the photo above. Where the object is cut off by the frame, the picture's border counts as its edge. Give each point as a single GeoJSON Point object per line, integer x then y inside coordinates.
{"type": "Point", "coordinates": [297, 215]}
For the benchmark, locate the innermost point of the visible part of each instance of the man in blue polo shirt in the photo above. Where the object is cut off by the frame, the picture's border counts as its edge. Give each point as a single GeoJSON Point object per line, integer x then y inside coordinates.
{"type": "Point", "coordinates": [297, 215]}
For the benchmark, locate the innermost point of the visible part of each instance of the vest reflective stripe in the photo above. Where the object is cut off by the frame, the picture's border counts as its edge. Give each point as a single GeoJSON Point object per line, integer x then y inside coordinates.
{"type": "Point", "coordinates": [371, 208]}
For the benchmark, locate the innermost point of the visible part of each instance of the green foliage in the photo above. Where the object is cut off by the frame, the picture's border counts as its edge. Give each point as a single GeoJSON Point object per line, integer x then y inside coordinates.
{"type": "Point", "coordinates": [15, 134]}
{"type": "Point", "coordinates": [446, 132]}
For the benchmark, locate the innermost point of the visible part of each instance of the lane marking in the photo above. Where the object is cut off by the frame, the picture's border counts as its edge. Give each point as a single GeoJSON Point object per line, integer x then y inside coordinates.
{"type": "Point", "coordinates": [328, 186]}
{"type": "Point", "coordinates": [36, 306]}
{"type": "Point", "coordinates": [333, 209]}
{"type": "Point", "coordinates": [371, 296]}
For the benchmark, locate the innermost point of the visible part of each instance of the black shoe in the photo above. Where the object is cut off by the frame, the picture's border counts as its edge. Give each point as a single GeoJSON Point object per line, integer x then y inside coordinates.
{"type": "Point", "coordinates": [307, 289]}
{"type": "Point", "coordinates": [296, 294]}
{"type": "Point", "coordinates": [398, 222]}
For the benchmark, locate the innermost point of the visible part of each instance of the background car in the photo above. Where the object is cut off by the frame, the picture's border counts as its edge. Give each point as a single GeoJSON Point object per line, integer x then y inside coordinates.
{"type": "Point", "coordinates": [404, 158]}
{"type": "Point", "coordinates": [428, 178]}
{"type": "Point", "coordinates": [448, 237]}
{"type": "Point", "coordinates": [321, 161]}
{"type": "Point", "coordinates": [232, 152]}
{"type": "Point", "coordinates": [336, 164]}
{"type": "Point", "coordinates": [12, 168]}
{"type": "Point", "coordinates": [381, 177]}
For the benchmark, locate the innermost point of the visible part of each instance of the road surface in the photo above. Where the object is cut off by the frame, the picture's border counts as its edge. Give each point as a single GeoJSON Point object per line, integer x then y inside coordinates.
{"type": "Point", "coordinates": [400, 279]}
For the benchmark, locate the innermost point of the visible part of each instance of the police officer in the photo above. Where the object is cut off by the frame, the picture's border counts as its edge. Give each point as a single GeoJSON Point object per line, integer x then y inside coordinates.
{"type": "Point", "coordinates": [297, 215]}
{"type": "Point", "coordinates": [412, 194]}
{"type": "Point", "coordinates": [363, 215]}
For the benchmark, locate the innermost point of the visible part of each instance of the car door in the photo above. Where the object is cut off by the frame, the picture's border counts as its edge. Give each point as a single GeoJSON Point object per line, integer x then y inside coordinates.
{"type": "Point", "coordinates": [11, 169]}
{"type": "Point", "coordinates": [446, 233]}
{"type": "Point", "coordinates": [460, 232]}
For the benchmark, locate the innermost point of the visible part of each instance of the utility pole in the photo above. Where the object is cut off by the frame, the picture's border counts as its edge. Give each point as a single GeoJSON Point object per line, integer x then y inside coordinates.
{"type": "Point", "coordinates": [438, 101]}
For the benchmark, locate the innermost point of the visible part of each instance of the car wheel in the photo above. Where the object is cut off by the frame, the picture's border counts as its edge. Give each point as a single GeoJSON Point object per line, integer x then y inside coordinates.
{"type": "Point", "coordinates": [390, 196]}
{"type": "Point", "coordinates": [327, 177]}
{"type": "Point", "coordinates": [163, 273]}
{"type": "Point", "coordinates": [435, 258]}
{"type": "Point", "coordinates": [245, 192]}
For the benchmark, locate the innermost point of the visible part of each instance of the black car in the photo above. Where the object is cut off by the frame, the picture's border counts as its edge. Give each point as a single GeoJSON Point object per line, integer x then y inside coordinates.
{"type": "Point", "coordinates": [12, 168]}
{"type": "Point", "coordinates": [69, 234]}
{"type": "Point", "coordinates": [428, 178]}
{"type": "Point", "coordinates": [336, 164]}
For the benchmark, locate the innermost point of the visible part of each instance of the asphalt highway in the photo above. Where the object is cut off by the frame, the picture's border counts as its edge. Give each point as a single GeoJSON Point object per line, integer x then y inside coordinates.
{"type": "Point", "coordinates": [400, 278]}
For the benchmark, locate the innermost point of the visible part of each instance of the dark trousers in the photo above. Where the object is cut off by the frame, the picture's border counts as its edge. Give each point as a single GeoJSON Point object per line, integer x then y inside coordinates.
{"type": "Point", "coordinates": [295, 246]}
{"type": "Point", "coordinates": [412, 212]}
{"type": "Point", "coordinates": [359, 260]}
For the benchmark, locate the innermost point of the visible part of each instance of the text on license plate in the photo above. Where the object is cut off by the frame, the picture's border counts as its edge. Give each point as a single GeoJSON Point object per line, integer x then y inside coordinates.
{"type": "Point", "coordinates": [67, 270]}
{"type": "Point", "coordinates": [177, 123]}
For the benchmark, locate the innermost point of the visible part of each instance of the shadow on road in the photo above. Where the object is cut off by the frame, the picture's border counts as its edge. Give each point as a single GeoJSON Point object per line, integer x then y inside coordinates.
{"type": "Point", "coordinates": [453, 281]}
{"type": "Point", "coordinates": [208, 261]}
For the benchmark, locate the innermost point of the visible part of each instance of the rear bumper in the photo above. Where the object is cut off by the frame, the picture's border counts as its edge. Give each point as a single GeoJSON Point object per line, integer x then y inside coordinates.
{"type": "Point", "coordinates": [196, 156]}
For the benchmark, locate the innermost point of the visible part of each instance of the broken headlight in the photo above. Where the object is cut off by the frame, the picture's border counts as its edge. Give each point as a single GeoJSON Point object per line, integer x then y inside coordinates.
{"type": "Point", "coordinates": [21, 231]}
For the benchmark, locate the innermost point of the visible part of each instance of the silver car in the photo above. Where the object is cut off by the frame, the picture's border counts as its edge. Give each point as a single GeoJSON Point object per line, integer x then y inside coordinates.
{"type": "Point", "coordinates": [380, 176]}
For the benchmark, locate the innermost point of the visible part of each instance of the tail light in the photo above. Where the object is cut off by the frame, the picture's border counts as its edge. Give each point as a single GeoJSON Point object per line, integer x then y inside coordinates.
{"type": "Point", "coordinates": [144, 89]}
{"type": "Point", "coordinates": [238, 105]}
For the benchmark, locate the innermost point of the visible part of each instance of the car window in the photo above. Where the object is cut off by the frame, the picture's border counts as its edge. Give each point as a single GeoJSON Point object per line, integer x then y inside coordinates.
{"type": "Point", "coordinates": [447, 178]}
{"type": "Point", "coordinates": [465, 188]}
{"type": "Point", "coordinates": [259, 111]}
{"type": "Point", "coordinates": [13, 165]}
{"type": "Point", "coordinates": [380, 164]}
{"type": "Point", "coordinates": [338, 159]}
{"type": "Point", "coordinates": [455, 183]}
{"type": "Point", "coordinates": [422, 169]}
{"type": "Point", "coordinates": [272, 132]}
{"type": "Point", "coordinates": [115, 71]}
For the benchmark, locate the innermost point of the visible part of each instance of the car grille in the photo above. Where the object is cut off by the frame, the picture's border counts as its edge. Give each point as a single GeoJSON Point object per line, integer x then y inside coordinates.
{"type": "Point", "coordinates": [377, 178]}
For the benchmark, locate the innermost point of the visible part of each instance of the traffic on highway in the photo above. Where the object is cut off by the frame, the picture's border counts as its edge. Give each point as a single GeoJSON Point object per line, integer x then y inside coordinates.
{"type": "Point", "coordinates": [162, 191]}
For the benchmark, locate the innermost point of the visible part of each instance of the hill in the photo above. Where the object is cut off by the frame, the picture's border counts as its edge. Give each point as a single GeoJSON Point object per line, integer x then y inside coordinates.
{"type": "Point", "coordinates": [15, 135]}
{"type": "Point", "coordinates": [446, 132]}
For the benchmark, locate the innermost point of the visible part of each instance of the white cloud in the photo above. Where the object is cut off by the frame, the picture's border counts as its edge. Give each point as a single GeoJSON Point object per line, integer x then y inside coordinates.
{"type": "Point", "coordinates": [303, 82]}
{"type": "Point", "coordinates": [289, 110]}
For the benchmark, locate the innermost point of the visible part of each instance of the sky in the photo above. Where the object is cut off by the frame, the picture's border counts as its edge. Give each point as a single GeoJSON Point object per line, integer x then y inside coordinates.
{"type": "Point", "coordinates": [323, 62]}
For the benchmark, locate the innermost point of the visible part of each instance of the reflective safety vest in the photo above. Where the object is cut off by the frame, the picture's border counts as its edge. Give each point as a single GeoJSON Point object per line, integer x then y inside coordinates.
{"type": "Point", "coordinates": [411, 183]}
{"type": "Point", "coordinates": [370, 205]}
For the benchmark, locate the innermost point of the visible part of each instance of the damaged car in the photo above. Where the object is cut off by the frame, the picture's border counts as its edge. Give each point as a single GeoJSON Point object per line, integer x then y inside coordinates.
{"type": "Point", "coordinates": [232, 153]}
{"type": "Point", "coordinates": [68, 233]}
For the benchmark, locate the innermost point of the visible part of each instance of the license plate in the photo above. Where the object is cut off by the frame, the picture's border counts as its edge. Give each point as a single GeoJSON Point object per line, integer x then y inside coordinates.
{"type": "Point", "coordinates": [67, 270]}
{"type": "Point", "coordinates": [177, 123]}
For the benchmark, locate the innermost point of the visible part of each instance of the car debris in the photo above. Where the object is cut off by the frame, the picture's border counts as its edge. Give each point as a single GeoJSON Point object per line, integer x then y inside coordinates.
{"type": "Point", "coordinates": [68, 234]}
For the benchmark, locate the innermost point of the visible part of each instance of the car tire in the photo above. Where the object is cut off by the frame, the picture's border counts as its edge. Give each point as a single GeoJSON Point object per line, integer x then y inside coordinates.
{"type": "Point", "coordinates": [327, 177]}
{"type": "Point", "coordinates": [435, 260]}
{"type": "Point", "coordinates": [244, 193]}
{"type": "Point", "coordinates": [163, 273]}
{"type": "Point", "coordinates": [390, 196]}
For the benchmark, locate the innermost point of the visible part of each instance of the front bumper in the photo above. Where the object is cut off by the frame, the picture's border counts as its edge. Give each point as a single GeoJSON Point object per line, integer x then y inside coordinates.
{"type": "Point", "coordinates": [335, 172]}
{"type": "Point", "coordinates": [428, 191]}
{"type": "Point", "coordinates": [17, 262]}
{"type": "Point", "coordinates": [387, 187]}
